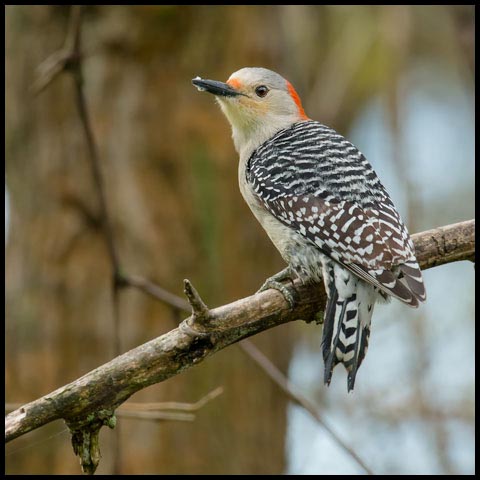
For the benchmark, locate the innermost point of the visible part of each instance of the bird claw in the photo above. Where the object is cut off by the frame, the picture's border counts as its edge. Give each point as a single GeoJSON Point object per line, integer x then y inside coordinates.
{"type": "Point", "coordinates": [289, 293]}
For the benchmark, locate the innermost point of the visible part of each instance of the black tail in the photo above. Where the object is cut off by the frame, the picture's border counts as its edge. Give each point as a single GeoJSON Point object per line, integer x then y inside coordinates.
{"type": "Point", "coordinates": [345, 336]}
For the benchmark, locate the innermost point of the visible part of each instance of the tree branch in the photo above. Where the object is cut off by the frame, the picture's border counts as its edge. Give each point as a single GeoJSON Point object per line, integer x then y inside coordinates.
{"type": "Point", "coordinates": [95, 396]}
{"type": "Point", "coordinates": [447, 244]}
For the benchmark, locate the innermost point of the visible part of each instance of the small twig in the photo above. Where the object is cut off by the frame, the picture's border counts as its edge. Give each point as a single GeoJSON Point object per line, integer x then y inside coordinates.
{"type": "Point", "coordinates": [96, 173]}
{"type": "Point", "coordinates": [294, 394]}
{"type": "Point", "coordinates": [157, 292]}
{"type": "Point", "coordinates": [143, 411]}
{"type": "Point", "coordinates": [49, 70]}
{"type": "Point", "coordinates": [69, 55]}
{"type": "Point", "coordinates": [159, 416]}
{"type": "Point", "coordinates": [187, 407]}
{"type": "Point", "coordinates": [200, 312]}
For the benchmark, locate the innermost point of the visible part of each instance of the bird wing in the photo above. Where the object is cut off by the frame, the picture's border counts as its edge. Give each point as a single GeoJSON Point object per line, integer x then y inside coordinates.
{"type": "Point", "coordinates": [317, 183]}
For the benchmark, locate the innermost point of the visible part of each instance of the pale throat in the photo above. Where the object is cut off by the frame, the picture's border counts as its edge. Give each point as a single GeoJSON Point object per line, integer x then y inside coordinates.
{"type": "Point", "coordinates": [249, 132]}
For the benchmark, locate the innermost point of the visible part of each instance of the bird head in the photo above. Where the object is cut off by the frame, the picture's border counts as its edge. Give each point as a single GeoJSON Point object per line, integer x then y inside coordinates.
{"type": "Point", "coordinates": [257, 102]}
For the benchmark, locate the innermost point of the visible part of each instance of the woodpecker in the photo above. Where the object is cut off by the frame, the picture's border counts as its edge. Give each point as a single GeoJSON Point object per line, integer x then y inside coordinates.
{"type": "Point", "coordinates": [323, 207]}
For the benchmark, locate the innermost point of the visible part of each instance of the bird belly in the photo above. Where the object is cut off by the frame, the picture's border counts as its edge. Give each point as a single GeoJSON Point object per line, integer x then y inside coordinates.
{"type": "Point", "coordinates": [306, 260]}
{"type": "Point", "coordinates": [304, 257]}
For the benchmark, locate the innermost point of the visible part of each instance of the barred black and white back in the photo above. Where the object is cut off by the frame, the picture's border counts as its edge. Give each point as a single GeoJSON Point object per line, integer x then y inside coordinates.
{"type": "Point", "coordinates": [319, 186]}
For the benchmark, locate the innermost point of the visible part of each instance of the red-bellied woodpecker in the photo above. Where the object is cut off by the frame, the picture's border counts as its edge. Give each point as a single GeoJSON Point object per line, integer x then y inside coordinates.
{"type": "Point", "coordinates": [323, 207]}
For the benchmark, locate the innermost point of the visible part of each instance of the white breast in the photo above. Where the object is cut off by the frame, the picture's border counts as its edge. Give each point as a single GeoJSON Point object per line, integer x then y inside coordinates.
{"type": "Point", "coordinates": [295, 249]}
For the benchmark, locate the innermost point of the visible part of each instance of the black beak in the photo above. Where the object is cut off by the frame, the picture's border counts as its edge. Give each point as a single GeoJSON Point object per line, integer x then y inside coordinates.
{"type": "Point", "coordinates": [217, 88]}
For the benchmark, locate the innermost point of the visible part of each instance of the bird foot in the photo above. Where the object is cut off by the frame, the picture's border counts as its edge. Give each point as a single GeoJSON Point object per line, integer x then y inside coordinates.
{"type": "Point", "coordinates": [290, 294]}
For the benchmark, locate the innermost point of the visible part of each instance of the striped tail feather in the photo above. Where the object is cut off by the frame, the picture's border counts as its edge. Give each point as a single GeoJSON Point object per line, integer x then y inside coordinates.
{"type": "Point", "coordinates": [411, 275]}
{"type": "Point", "coordinates": [346, 328]}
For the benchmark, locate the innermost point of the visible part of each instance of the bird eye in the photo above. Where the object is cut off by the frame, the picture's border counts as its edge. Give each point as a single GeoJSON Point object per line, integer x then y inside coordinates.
{"type": "Point", "coordinates": [261, 91]}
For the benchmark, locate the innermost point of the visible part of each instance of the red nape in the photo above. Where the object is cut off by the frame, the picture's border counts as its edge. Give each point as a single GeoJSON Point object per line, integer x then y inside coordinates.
{"type": "Point", "coordinates": [297, 101]}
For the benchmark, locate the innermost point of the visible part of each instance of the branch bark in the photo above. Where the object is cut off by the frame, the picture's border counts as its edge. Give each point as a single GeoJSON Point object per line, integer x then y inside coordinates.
{"type": "Point", "coordinates": [94, 397]}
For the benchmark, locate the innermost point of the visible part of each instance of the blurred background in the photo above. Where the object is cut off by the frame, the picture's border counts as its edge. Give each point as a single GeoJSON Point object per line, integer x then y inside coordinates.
{"type": "Point", "coordinates": [398, 81]}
